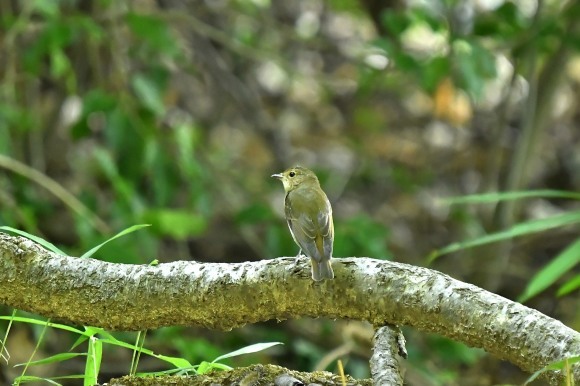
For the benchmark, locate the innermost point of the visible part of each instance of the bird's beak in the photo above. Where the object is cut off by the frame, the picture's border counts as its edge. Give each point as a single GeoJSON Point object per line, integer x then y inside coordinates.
{"type": "Point", "coordinates": [277, 175]}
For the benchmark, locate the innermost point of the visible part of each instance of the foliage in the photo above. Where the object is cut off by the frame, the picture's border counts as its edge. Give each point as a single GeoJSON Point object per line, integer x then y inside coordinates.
{"type": "Point", "coordinates": [97, 337]}
{"type": "Point", "coordinates": [175, 114]}
{"type": "Point", "coordinates": [560, 265]}
{"type": "Point", "coordinates": [565, 365]}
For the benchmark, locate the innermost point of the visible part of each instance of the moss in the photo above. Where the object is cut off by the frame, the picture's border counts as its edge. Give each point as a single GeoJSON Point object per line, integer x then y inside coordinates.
{"type": "Point", "coordinates": [254, 375]}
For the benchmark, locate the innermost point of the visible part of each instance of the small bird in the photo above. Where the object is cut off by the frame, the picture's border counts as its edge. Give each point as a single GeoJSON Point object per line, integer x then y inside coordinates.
{"type": "Point", "coordinates": [309, 216]}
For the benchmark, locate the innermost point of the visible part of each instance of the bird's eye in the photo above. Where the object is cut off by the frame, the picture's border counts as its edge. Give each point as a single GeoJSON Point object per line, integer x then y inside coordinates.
{"type": "Point", "coordinates": [291, 174]}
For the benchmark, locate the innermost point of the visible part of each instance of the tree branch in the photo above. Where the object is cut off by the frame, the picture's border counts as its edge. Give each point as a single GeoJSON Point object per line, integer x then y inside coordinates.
{"type": "Point", "coordinates": [225, 296]}
{"type": "Point", "coordinates": [388, 346]}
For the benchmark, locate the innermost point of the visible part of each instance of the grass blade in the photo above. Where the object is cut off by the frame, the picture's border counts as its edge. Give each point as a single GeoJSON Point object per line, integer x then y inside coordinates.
{"type": "Point", "coordinates": [3, 349]}
{"type": "Point", "coordinates": [520, 229]}
{"type": "Point", "coordinates": [561, 264]}
{"type": "Point", "coordinates": [569, 286]}
{"type": "Point", "coordinates": [247, 350]}
{"type": "Point", "coordinates": [122, 233]}
{"type": "Point", "coordinates": [506, 196]}
{"type": "Point", "coordinates": [93, 364]}
{"type": "Point", "coordinates": [32, 378]}
{"type": "Point", "coordinates": [559, 365]}
{"type": "Point", "coordinates": [139, 343]}
{"type": "Point", "coordinates": [29, 378]}
{"type": "Point", "coordinates": [177, 362]}
{"type": "Point", "coordinates": [52, 359]}
{"type": "Point", "coordinates": [42, 323]}
{"type": "Point", "coordinates": [205, 367]}
{"type": "Point", "coordinates": [40, 338]}
{"type": "Point", "coordinates": [48, 245]}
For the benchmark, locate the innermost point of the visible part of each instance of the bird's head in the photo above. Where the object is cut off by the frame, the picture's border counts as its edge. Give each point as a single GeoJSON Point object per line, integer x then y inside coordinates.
{"type": "Point", "coordinates": [295, 177]}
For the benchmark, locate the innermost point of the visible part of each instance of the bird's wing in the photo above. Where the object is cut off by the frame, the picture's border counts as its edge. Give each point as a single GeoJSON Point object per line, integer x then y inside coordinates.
{"type": "Point", "coordinates": [313, 236]}
{"type": "Point", "coordinates": [303, 231]}
{"type": "Point", "coordinates": [327, 231]}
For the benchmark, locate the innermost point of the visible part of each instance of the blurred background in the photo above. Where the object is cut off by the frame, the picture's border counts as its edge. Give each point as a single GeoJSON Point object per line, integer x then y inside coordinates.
{"type": "Point", "coordinates": [176, 112]}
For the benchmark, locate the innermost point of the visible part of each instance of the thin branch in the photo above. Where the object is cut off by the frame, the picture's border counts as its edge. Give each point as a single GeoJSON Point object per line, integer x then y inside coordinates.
{"type": "Point", "coordinates": [225, 296]}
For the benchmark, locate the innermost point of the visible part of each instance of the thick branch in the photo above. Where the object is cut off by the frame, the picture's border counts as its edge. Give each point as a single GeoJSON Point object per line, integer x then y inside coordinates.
{"type": "Point", "coordinates": [225, 296]}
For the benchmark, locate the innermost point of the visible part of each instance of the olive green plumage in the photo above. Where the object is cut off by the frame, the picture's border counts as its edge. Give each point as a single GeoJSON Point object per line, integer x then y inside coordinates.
{"type": "Point", "coordinates": [309, 216]}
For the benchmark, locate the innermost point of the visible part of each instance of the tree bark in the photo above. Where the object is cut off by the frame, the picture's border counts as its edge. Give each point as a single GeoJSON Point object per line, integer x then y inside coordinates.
{"type": "Point", "coordinates": [389, 345]}
{"type": "Point", "coordinates": [224, 296]}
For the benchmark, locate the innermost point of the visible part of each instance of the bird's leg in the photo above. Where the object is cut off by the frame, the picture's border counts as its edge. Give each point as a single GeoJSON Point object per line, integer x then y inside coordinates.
{"type": "Point", "coordinates": [298, 256]}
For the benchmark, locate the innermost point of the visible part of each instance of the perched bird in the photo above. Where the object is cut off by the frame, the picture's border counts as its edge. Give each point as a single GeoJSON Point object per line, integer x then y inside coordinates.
{"type": "Point", "coordinates": [309, 216]}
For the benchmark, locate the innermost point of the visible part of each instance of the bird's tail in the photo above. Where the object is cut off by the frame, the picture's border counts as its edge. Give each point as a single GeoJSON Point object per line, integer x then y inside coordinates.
{"type": "Point", "coordinates": [321, 270]}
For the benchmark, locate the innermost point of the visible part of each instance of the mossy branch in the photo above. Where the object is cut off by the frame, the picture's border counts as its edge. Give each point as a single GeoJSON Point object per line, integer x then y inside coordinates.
{"type": "Point", "coordinates": [225, 296]}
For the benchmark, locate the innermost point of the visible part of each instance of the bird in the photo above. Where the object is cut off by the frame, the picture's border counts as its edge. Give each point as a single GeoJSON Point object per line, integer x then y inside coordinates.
{"type": "Point", "coordinates": [309, 217]}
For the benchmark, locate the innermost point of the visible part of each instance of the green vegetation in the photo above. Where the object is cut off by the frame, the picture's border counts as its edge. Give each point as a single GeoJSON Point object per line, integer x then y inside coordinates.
{"type": "Point", "coordinates": [175, 114]}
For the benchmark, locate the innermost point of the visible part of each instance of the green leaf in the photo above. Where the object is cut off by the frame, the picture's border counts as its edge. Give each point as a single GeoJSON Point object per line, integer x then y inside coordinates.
{"type": "Point", "coordinates": [52, 380]}
{"type": "Point", "coordinates": [39, 240]}
{"type": "Point", "coordinates": [206, 367]}
{"type": "Point", "coordinates": [475, 64]}
{"type": "Point", "coordinates": [81, 339]}
{"type": "Point", "coordinates": [3, 341]}
{"type": "Point", "coordinates": [94, 101]}
{"type": "Point", "coordinates": [395, 22]}
{"type": "Point", "coordinates": [52, 359]}
{"type": "Point", "coordinates": [154, 32]}
{"type": "Point", "coordinates": [122, 185]}
{"type": "Point", "coordinates": [30, 378]}
{"type": "Point", "coordinates": [139, 342]}
{"type": "Point", "coordinates": [561, 264]}
{"type": "Point", "coordinates": [247, 350]}
{"type": "Point", "coordinates": [505, 196]}
{"type": "Point", "coordinates": [178, 224]}
{"type": "Point", "coordinates": [89, 333]}
{"type": "Point", "coordinates": [122, 233]}
{"type": "Point", "coordinates": [56, 34]}
{"type": "Point", "coordinates": [92, 331]}
{"type": "Point", "coordinates": [180, 363]}
{"type": "Point", "coordinates": [520, 229]}
{"type": "Point", "coordinates": [559, 365]}
{"type": "Point", "coordinates": [41, 323]}
{"type": "Point", "coordinates": [93, 363]}
{"type": "Point", "coordinates": [148, 93]}
{"type": "Point", "coordinates": [107, 338]}
{"type": "Point", "coordinates": [569, 286]}
{"type": "Point", "coordinates": [179, 371]}
{"type": "Point", "coordinates": [59, 63]}
{"type": "Point", "coordinates": [46, 8]}
{"type": "Point", "coordinates": [434, 71]}
{"type": "Point", "coordinates": [505, 23]}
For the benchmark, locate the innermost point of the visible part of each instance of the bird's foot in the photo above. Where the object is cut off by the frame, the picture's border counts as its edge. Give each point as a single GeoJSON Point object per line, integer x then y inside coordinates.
{"type": "Point", "coordinates": [298, 257]}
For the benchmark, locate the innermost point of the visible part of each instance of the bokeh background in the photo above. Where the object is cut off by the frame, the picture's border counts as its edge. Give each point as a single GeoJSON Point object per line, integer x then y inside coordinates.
{"type": "Point", "coordinates": [175, 113]}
